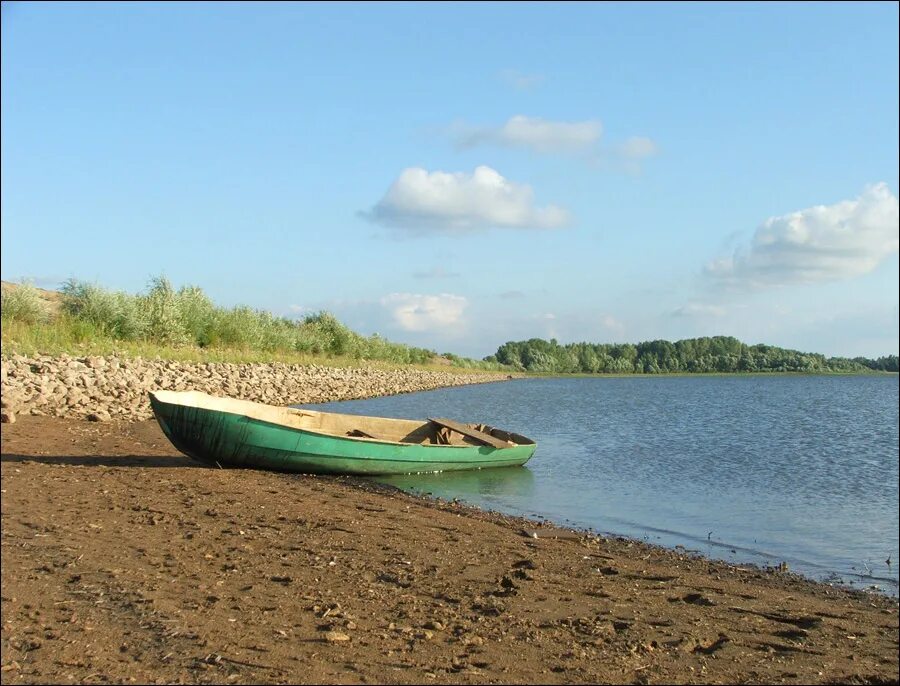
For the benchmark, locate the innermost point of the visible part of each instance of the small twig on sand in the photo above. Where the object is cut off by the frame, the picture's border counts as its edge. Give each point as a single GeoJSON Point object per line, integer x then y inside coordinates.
{"type": "Point", "coordinates": [252, 664]}
{"type": "Point", "coordinates": [222, 658]}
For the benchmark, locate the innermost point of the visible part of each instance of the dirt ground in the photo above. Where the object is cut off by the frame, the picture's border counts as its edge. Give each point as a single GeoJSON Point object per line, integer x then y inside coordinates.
{"type": "Point", "coordinates": [125, 562]}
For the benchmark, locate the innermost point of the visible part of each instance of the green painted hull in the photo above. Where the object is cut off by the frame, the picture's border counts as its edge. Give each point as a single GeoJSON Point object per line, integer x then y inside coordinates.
{"type": "Point", "coordinates": [227, 439]}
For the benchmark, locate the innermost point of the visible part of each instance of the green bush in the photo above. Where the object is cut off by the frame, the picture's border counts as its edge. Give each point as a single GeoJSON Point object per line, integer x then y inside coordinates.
{"type": "Point", "coordinates": [187, 318]}
{"type": "Point", "coordinates": [112, 313]}
{"type": "Point", "coordinates": [23, 304]}
{"type": "Point", "coordinates": [198, 315]}
{"type": "Point", "coordinates": [333, 337]}
{"type": "Point", "coordinates": [162, 309]}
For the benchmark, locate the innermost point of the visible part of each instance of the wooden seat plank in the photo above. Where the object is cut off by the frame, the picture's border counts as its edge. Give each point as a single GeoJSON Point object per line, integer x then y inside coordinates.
{"type": "Point", "coordinates": [485, 438]}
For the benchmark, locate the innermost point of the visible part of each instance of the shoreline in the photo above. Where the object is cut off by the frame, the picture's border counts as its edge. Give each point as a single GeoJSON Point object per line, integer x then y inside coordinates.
{"type": "Point", "coordinates": [104, 388]}
{"type": "Point", "coordinates": [124, 560]}
{"type": "Point", "coordinates": [645, 375]}
{"type": "Point", "coordinates": [762, 561]}
{"type": "Point", "coordinates": [873, 589]}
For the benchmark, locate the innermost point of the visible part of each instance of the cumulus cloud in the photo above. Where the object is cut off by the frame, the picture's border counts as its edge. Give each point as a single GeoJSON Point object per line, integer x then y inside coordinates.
{"type": "Point", "coordinates": [422, 201]}
{"type": "Point", "coordinates": [699, 310]}
{"type": "Point", "coordinates": [534, 133]}
{"type": "Point", "coordinates": [817, 244]}
{"type": "Point", "coordinates": [414, 312]}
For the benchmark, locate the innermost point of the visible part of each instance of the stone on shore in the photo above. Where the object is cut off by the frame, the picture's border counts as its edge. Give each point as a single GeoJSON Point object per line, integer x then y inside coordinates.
{"type": "Point", "coordinates": [104, 388]}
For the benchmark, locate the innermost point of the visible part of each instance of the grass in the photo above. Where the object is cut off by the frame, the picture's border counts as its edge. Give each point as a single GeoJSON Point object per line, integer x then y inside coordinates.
{"type": "Point", "coordinates": [85, 319]}
{"type": "Point", "coordinates": [70, 338]}
{"type": "Point", "coordinates": [24, 304]}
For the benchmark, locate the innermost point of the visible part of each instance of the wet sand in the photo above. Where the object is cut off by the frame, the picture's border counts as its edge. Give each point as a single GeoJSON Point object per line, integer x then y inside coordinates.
{"type": "Point", "coordinates": [125, 562]}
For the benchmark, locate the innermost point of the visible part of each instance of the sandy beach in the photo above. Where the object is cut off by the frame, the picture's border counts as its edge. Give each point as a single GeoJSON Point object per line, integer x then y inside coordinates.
{"type": "Point", "coordinates": [126, 562]}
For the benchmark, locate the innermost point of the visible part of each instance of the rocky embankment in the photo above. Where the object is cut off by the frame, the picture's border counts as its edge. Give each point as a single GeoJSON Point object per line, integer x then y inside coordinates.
{"type": "Point", "coordinates": [105, 388]}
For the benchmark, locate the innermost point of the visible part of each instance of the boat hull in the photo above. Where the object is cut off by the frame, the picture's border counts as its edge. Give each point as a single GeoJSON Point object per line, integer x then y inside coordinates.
{"type": "Point", "coordinates": [227, 439]}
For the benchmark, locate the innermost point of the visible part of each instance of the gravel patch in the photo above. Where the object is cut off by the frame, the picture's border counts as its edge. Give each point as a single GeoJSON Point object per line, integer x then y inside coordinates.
{"type": "Point", "coordinates": [106, 388]}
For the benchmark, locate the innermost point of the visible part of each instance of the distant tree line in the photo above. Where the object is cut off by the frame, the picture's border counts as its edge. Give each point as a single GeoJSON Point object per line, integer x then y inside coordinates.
{"type": "Point", "coordinates": [888, 363]}
{"type": "Point", "coordinates": [693, 355]}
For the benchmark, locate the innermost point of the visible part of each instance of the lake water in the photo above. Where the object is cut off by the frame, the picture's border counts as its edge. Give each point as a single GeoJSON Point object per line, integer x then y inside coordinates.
{"type": "Point", "coordinates": [761, 469]}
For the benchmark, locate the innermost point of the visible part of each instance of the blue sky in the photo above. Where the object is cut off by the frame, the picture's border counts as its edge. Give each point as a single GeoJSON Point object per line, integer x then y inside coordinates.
{"type": "Point", "coordinates": [459, 175]}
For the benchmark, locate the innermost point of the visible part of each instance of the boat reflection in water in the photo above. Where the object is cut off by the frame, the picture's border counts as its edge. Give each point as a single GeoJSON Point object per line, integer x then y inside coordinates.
{"type": "Point", "coordinates": [500, 486]}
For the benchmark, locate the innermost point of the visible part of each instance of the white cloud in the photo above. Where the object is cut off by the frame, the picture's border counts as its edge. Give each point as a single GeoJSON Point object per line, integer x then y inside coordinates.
{"type": "Point", "coordinates": [580, 139]}
{"type": "Point", "coordinates": [413, 312]}
{"type": "Point", "coordinates": [423, 201]}
{"type": "Point", "coordinates": [817, 244]}
{"type": "Point", "coordinates": [699, 310]}
{"type": "Point", "coordinates": [534, 133]}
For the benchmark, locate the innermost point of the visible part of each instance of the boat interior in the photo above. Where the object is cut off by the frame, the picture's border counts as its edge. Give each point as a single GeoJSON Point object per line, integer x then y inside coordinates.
{"type": "Point", "coordinates": [433, 431]}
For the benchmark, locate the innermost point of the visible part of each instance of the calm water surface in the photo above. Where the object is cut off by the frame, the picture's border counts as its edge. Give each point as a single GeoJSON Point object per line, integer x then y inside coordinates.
{"type": "Point", "coordinates": [763, 469]}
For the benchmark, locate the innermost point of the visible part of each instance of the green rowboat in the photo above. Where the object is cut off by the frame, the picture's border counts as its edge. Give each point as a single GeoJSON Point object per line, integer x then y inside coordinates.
{"type": "Point", "coordinates": [239, 433]}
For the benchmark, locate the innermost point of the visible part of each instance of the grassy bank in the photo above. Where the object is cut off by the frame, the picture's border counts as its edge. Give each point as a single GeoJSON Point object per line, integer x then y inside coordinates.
{"type": "Point", "coordinates": [184, 324]}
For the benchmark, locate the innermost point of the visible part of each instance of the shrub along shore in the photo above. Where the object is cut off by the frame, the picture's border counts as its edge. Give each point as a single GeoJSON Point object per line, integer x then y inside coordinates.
{"type": "Point", "coordinates": [185, 324]}
{"type": "Point", "coordinates": [101, 388]}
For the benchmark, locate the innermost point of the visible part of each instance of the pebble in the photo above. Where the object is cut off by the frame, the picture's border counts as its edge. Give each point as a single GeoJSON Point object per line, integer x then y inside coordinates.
{"type": "Point", "coordinates": [105, 388]}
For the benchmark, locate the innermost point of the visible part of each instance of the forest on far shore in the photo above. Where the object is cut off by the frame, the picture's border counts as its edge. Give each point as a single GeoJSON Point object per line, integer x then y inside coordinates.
{"type": "Point", "coordinates": [722, 354]}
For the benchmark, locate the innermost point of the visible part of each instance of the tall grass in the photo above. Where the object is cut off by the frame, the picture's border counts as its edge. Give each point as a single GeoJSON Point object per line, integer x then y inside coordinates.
{"type": "Point", "coordinates": [111, 314]}
{"type": "Point", "coordinates": [23, 304]}
{"type": "Point", "coordinates": [184, 324]}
